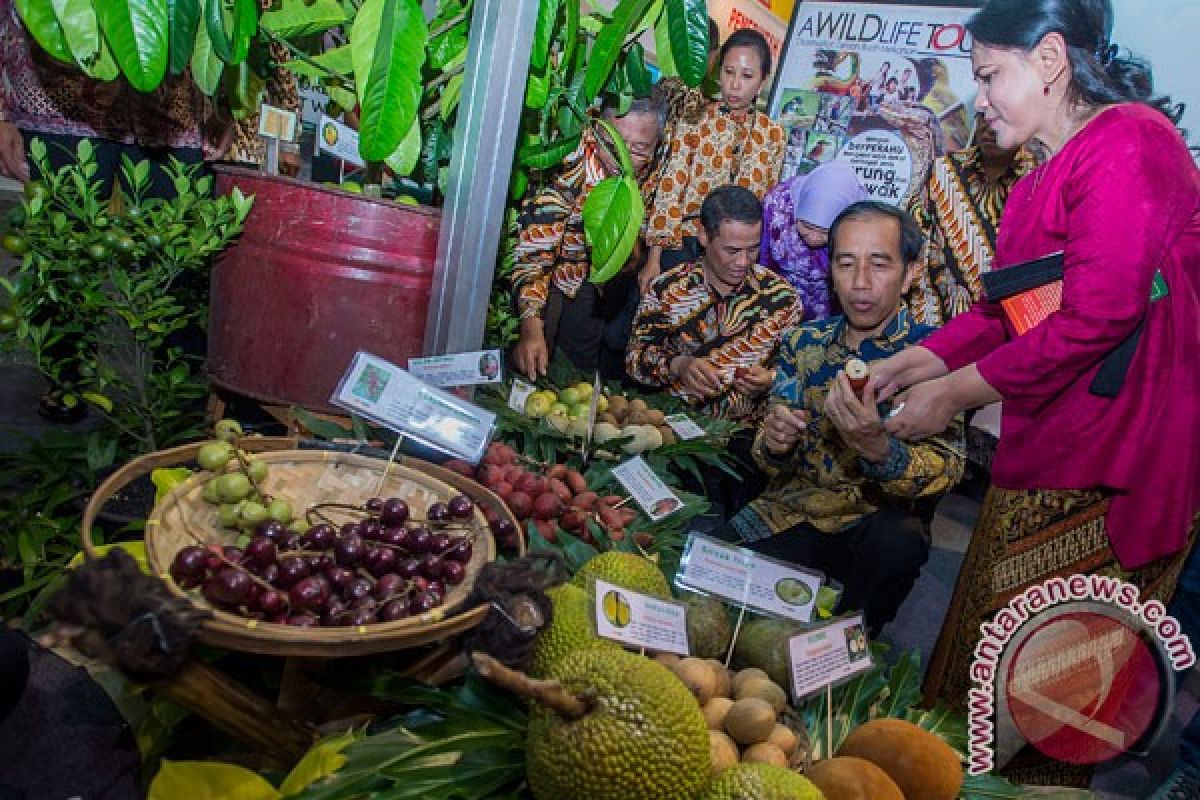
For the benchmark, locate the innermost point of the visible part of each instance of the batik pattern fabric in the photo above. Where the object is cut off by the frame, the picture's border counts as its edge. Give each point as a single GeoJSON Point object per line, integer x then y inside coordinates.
{"type": "Point", "coordinates": [720, 149]}
{"type": "Point", "coordinates": [681, 315]}
{"type": "Point", "coordinates": [40, 95]}
{"type": "Point", "coordinates": [824, 482]}
{"type": "Point", "coordinates": [960, 213]}
{"type": "Point", "coordinates": [805, 268]}
{"type": "Point", "coordinates": [551, 246]}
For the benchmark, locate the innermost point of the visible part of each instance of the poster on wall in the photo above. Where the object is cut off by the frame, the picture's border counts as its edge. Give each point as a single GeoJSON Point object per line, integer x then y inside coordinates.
{"type": "Point", "coordinates": [886, 88]}
{"type": "Point", "coordinates": [733, 15]}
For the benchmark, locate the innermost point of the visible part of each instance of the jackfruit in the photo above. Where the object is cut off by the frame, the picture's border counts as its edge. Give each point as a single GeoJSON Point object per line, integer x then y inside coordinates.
{"type": "Point", "coordinates": [760, 782]}
{"type": "Point", "coordinates": [628, 570]}
{"type": "Point", "coordinates": [642, 737]}
{"type": "Point", "coordinates": [570, 629]}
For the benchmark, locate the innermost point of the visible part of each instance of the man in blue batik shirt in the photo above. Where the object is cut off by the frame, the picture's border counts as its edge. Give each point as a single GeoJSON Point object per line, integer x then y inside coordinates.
{"type": "Point", "coordinates": [844, 496]}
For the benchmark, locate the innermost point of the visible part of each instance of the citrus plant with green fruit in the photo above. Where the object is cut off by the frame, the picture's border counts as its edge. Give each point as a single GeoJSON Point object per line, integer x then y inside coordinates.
{"type": "Point", "coordinates": [106, 287]}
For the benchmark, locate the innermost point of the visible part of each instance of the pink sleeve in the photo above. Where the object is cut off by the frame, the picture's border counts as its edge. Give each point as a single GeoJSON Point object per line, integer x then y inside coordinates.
{"type": "Point", "coordinates": [968, 337]}
{"type": "Point", "coordinates": [1128, 196]}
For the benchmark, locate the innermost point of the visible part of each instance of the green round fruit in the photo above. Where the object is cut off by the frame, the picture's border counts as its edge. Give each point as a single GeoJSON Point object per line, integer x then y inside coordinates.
{"type": "Point", "coordinates": [252, 513]}
{"type": "Point", "coordinates": [280, 510]}
{"type": "Point", "coordinates": [256, 468]}
{"type": "Point", "coordinates": [233, 487]}
{"type": "Point", "coordinates": [214, 455]}
{"type": "Point", "coordinates": [569, 396]}
{"type": "Point", "coordinates": [228, 429]}
{"type": "Point", "coordinates": [76, 281]}
{"type": "Point", "coordinates": [97, 252]}
{"type": "Point", "coordinates": [110, 238]}
{"type": "Point", "coordinates": [210, 494]}
{"type": "Point", "coordinates": [15, 244]}
{"type": "Point", "coordinates": [227, 514]}
{"type": "Point", "coordinates": [134, 212]}
{"type": "Point", "coordinates": [762, 782]}
{"type": "Point", "coordinates": [125, 244]}
{"type": "Point", "coordinates": [154, 241]}
{"type": "Point", "coordinates": [571, 630]}
{"type": "Point", "coordinates": [300, 525]}
{"type": "Point", "coordinates": [625, 569]}
{"type": "Point", "coordinates": [8, 322]}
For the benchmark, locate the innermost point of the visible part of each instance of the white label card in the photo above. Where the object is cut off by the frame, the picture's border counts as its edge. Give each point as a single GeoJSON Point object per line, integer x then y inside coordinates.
{"type": "Point", "coordinates": [746, 578]}
{"type": "Point", "coordinates": [639, 620]}
{"type": "Point", "coordinates": [276, 123]}
{"type": "Point", "coordinates": [458, 369]}
{"type": "Point", "coordinates": [340, 141]}
{"type": "Point", "coordinates": [829, 654]}
{"type": "Point", "coordinates": [646, 488]}
{"type": "Point", "coordinates": [389, 396]}
{"type": "Point", "coordinates": [684, 426]}
{"type": "Point", "coordinates": [519, 394]}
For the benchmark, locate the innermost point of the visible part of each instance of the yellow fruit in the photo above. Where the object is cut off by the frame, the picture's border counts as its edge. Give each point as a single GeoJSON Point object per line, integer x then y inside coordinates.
{"type": "Point", "coordinates": [625, 569]}
{"type": "Point", "coordinates": [760, 782]}
{"type": "Point", "coordinates": [750, 721]}
{"type": "Point", "coordinates": [537, 405]}
{"type": "Point", "coordinates": [569, 397]}
{"type": "Point", "coordinates": [560, 408]}
{"type": "Point", "coordinates": [698, 676]}
{"type": "Point", "coordinates": [571, 629]}
{"type": "Point", "coordinates": [764, 753]}
{"type": "Point", "coordinates": [747, 674]}
{"type": "Point", "coordinates": [764, 689]}
{"type": "Point", "coordinates": [784, 738]}
{"type": "Point", "coordinates": [604, 432]}
{"type": "Point", "coordinates": [602, 404]}
{"type": "Point", "coordinates": [849, 778]}
{"type": "Point", "coordinates": [917, 761]}
{"type": "Point", "coordinates": [715, 711]}
{"type": "Point", "coordinates": [643, 737]}
{"type": "Point", "coordinates": [722, 752]}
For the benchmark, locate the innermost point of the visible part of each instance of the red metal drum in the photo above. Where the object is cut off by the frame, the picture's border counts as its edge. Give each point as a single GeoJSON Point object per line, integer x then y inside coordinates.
{"type": "Point", "coordinates": [317, 275]}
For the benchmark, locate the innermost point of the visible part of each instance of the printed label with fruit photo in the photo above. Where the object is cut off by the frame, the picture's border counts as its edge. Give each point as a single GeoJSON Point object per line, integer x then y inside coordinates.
{"type": "Point", "coordinates": [646, 488]}
{"type": "Point", "coordinates": [639, 620]}
{"type": "Point", "coordinates": [457, 369]}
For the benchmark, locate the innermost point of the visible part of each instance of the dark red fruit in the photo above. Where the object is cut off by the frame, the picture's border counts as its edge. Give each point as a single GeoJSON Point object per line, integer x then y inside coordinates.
{"type": "Point", "coordinates": [453, 573]}
{"type": "Point", "coordinates": [397, 537]}
{"type": "Point", "coordinates": [393, 610]}
{"type": "Point", "coordinates": [351, 529]}
{"type": "Point", "coordinates": [424, 602]}
{"type": "Point", "coordinates": [460, 507]}
{"type": "Point", "coordinates": [504, 527]}
{"type": "Point", "coordinates": [309, 593]}
{"type": "Point", "coordinates": [437, 587]}
{"type": "Point", "coordinates": [439, 543]}
{"type": "Point", "coordinates": [292, 570]}
{"type": "Point", "coordinates": [437, 512]}
{"type": "Point", "coordinates": [272, 601]}
{"type": "Point", "coordinates": [379, 561]}
{"type": "Point", "coordinates": [388, 585]}
{"type": "Point", "coordinates": [271, 529]}
{"type": "Point", "coordinates": [419, 540]}
{"type": "Point", "coordinates": [420, 583]}
{"type": "Point", "coordinates": [371, 530]}
{"type": "Point", "coordinates": [261, 551]}
{"type": "Point", "coordinates": [349, 550]}
{"type": "Point", "coordinates": [228, 587]}
{"type": "Point", "coordinates": [431, 566]}
{"type": "Point", "coordinates": [293, 542]}
{"type": "Point", "coordinates": [460, 552]}
{"type": "Point", "coordinates": [374, 505]}
{"type": "Point", "coordinates": [189, 566]}
{"type": "Point", "coordinates": [233, 554]}
{"type": "Point", "coordinates": [320, 537]}
{"type": "Point", "coordinates": [359, 616]}
{"type": "Point", "coordinates": [394, 512]}
{"type": "Point", "coordinates": [357, 589]}
{"type": "Point", "coordinates": [408, 568]}
{"type": "Point", "coordinates": [339, 577]}
{"type": "Point", "coordinates": [333, 613]}
{"type": "Point", "coordinates": [318, 564]}
{"type": "Point", "coordinates": [269, 573]}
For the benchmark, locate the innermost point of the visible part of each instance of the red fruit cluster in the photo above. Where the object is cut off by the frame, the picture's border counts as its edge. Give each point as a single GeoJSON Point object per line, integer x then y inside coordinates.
{"type": "Point", "coordinates": [382, 568]}
{"type": "Point", "coordinates": [555, 499]}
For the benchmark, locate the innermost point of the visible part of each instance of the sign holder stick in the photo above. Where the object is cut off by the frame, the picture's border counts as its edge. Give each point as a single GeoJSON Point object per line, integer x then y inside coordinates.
{"type": "Point", "coordinates": [829, 718]}
{"type": "Point", "coordinates": [736, 630]}
{"type": "Point", "coordinates": [387, 468]}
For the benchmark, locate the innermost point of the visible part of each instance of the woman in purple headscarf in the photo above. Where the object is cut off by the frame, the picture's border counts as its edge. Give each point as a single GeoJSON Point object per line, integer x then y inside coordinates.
{"type": "Point", "coordinates": [796, 218]}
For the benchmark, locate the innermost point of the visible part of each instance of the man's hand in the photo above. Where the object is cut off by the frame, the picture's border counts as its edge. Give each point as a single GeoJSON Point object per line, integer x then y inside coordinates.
{"type": "Point", "coordinates": [753, 381]}
{"type": "Point", "coordinates": [12, 153]}
{"type": "Point", "coordinates": [783, 427]}
{"type": "Point", "coordinates": [532, 356]}
{"type": "Point", "coordinates": [895, 373]}
{"type": "Point", "coordinates": [651, 270]}
{"type": "Point", "coordinates": [857, 421]}
{"type": "Point", "coordinates": [697, 375]}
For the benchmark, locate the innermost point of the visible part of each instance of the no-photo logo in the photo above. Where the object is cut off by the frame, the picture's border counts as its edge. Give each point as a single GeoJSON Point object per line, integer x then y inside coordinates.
{"type": "Point", "coordinates": [1078, 667]}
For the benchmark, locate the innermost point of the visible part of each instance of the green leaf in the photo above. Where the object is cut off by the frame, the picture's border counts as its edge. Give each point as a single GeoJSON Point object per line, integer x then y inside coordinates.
{"type": "Point", "coordinates": [570, 40]}
{"type": "Point", "coordinates": [230, 29]}
{"type": "Point", "coordinates": [537, 91]}
{"type": "Point", "coordinates": [612, 216]}
{"type": "Point", "coordinates": [636, 72]}
{"type": "Point", "coordinates": [337, 61]}
{"type": "Point", "coordinates": [450, 96]}
{"type": "Point", "coordinates": [207, 66]}
{"type": "Point", "coordinates": [183, 18]}
{"type": "Point", "coordinates": [42, 23]}
{"type": "Point", "coordinates": [203, 780]}
{"type": "Point", "coordinates": [609, 43]}
{"type": "Point", "coordinates": [342, 98]}
{"type": "Point", "coordinates": [904, 686]}
{"type": "Point", "coordinates": [387, 45]}
{"type": "Point", "coordinates": [404, 158]}
{"type": "Point", "coordinates": [544, 156]}
{"type": "Point", "coordinates": [167, 478]}
{"type": "Point", "coordinates": [303, 17]}
{"type": "Point", "coordinates": [662, 48]}
{"type": "Point", "coordinates": [687, 29]}
{"type": "Point", "coordinates": [543, 33]}
{"type": "Point", "coordinates": [320, 428]}
{"type": "Point", "coordinates": [322, 760]}
{"type": "Point", "coordinates": [82, 31]}
{"type": "Point", "coordinates": [136, 31]}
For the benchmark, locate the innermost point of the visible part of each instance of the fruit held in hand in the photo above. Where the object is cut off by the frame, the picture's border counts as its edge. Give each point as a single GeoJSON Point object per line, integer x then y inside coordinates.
{"type": "Point", "coordinates": [858, 374]}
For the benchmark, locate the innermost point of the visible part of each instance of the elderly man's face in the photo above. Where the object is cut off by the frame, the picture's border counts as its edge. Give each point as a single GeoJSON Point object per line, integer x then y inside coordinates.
{"type": "Point", "coordinates": [869, 273]}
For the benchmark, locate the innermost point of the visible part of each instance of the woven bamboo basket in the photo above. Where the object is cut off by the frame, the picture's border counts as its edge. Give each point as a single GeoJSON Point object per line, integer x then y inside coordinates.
{"type": "Point", "coordinates": [304, 478]}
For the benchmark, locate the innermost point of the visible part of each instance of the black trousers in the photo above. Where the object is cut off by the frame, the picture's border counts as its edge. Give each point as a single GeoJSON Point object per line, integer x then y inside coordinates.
{"type": "Point", "coordinates": [877, 561]}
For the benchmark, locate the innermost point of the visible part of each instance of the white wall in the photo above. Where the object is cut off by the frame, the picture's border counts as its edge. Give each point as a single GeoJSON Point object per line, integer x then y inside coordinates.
{"type": "Point", "coordinates": [1167, 34]}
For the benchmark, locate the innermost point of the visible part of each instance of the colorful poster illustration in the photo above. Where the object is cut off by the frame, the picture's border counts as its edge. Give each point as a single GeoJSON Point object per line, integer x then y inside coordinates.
{"type": "Point", "coordinates": [885, 88]}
